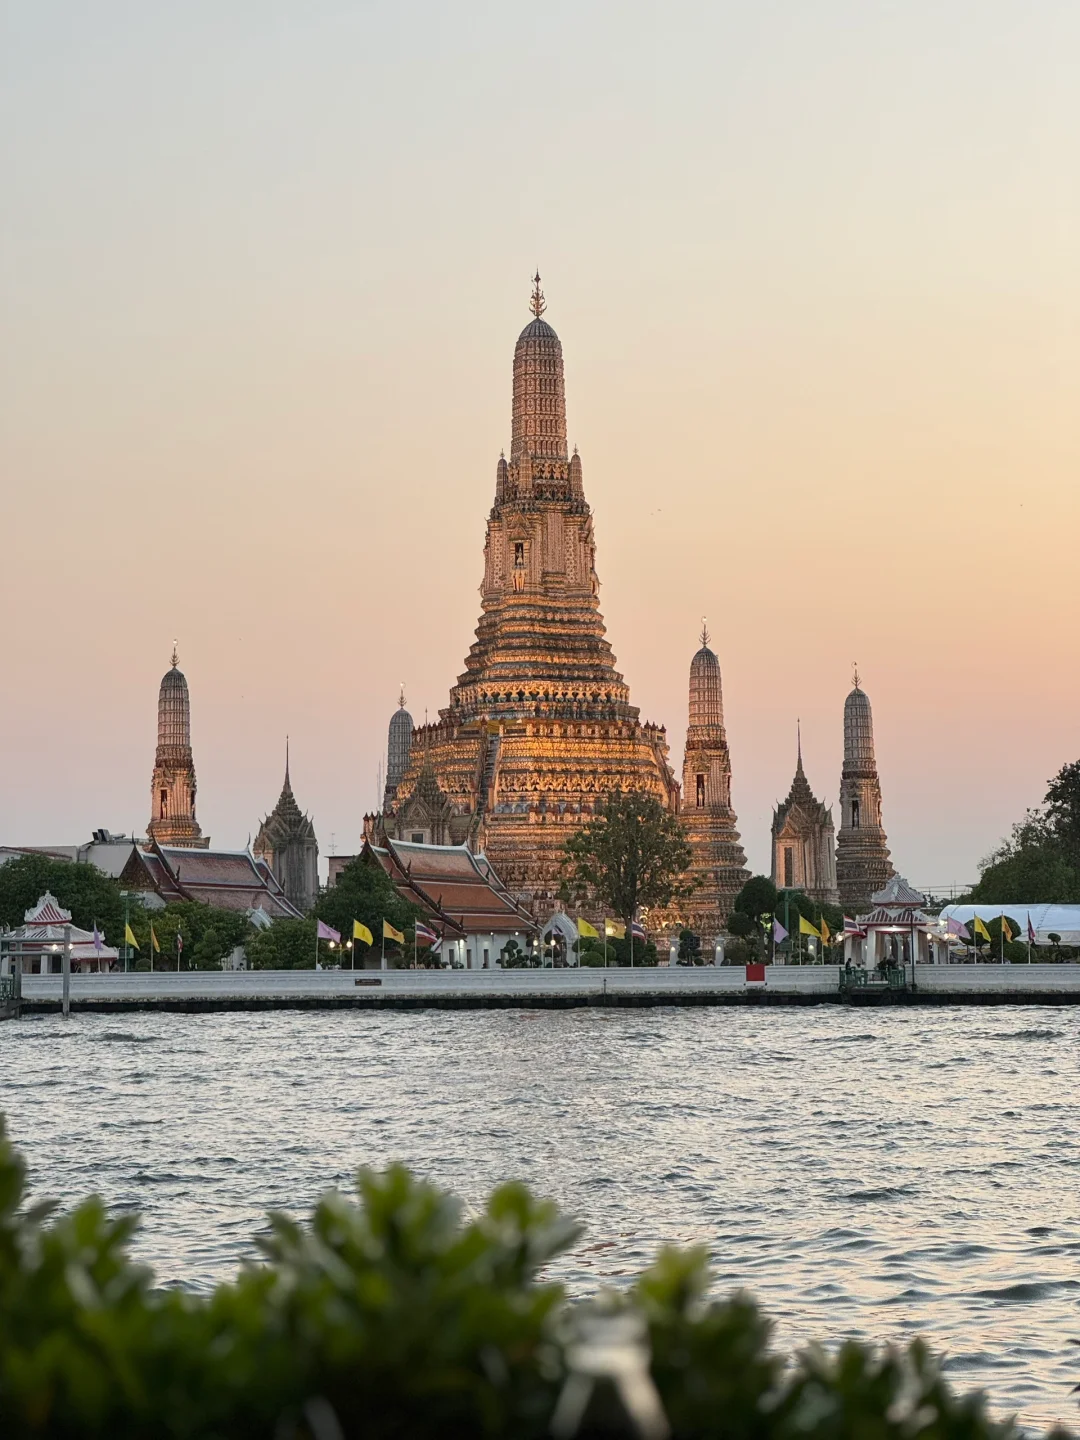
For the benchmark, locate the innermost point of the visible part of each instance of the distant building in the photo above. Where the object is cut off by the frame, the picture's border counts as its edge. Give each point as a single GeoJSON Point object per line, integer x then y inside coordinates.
{"type": "Point", "coordinates": [286, 842]}
{"type": "Point", "coordinates": [172, 787]}
{"type": "Point", "coordinates": [398, 750]}
{"type": "Point", "coordinates": [804, 842]}
{"type": "Point", "coordinates": [539, 727]}
{"type": "Point", "coordinates": [719, 865]}
{"type": "Point", "coordinates": [461, 899]}
{"type": "Point", "coordinates": [863, 866]}
{"type": "Point", "coordinates": [896, 930]}
{"type": "Point", "coordinates": [40, 941]}
{"type": "Point", "coordinates": [229, 879]}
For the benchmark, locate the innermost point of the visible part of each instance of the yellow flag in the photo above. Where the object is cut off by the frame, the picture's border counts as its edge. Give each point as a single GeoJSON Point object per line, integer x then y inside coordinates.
{"type": "Point", "coordinates": [361, 932]}
{"type": "Point", "coordinates": [586, 931]}
{"type": "Point", "coordinates": [154, 939]}
{"type": "Point", "coordinates": [389, 933]}
{"type": "Point", "coordinates": [1006, 928]}
{"type": "Point", "coordinates": [805, 928]}
{"type": "Point", "coordinates": [826, 933]}
{"type": "Point", "coordinates": [614, 930]}
{"type": "Point", "coordinates": [979, 928]}
{"type": "Point", "coordinates": [129, 938]}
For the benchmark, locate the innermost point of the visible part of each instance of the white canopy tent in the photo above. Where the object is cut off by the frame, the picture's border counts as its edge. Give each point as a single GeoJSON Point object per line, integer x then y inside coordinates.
{"type": "Point", "coordinates": [1063, 920]}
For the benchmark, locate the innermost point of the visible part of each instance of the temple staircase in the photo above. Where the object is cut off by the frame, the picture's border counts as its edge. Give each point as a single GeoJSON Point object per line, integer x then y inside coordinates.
{"type": "Point", "coordinates": [487, 780]}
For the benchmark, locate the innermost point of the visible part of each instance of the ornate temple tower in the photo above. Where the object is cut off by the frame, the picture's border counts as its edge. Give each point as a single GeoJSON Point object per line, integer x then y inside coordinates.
{"type": "Point", "coordinates": [398, 749]}
{"type": "Point", "coordinates": [862, 853]}
{"type": "Point", "coordinates": [719, 867]}
{"type": "Point", "coordinates": [539, 726]}
{"type": "Point", "coordinates": [804, 842]}
{"type": "Point", "coordinates": [172, 788]}
{"type": "Point", "coordinates": [286, 841]}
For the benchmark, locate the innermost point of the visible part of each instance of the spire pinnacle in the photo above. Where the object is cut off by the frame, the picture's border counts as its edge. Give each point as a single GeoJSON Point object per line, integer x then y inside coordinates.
{"type": "Point", "coordinates": [798, 734]}
{"type": "Point", "coordinates": [855, 674]}
{"type": "Point", "coordinates": [286, 760]}
{"type": "Point", "coordinates": [537, 304]}
{"type": "Point", "coordinates": [401, 697]}
{"type": "Point", "coordinates": [175, 656]}
{"type": "Point", "coordinates": [705, 637]}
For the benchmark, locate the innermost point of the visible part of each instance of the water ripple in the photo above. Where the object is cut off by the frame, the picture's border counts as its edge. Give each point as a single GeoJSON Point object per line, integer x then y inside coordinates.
{"type": "Point", "coordinates": [914, 1179]}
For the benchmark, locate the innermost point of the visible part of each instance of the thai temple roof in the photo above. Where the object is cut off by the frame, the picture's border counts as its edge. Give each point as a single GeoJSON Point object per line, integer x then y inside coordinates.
{"type": "Point", "coordinates": [453, 886]}
{"type": "Point", "coordinates": [898, 892]}
{"type": "Point", "coordinates": [230, 879]}
{"type": "Point", "coordinates": [286, 820]}
{"type": "Point", "coordinates": [800, 795]}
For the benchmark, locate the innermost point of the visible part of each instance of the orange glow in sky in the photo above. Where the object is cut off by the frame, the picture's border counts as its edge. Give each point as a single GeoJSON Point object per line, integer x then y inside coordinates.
{"type": "Point", "coordinates": [814, 270]}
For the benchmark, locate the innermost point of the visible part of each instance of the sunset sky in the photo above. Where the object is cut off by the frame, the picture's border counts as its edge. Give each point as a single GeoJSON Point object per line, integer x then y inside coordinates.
{"type": "Point", "coordinates": [814, 264]}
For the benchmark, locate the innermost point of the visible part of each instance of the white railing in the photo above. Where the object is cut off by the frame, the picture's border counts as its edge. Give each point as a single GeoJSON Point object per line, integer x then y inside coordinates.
{"type": "Point", "coordinates": [299, 984]}
{"type": "Point", "coordinates": [1054, 979]}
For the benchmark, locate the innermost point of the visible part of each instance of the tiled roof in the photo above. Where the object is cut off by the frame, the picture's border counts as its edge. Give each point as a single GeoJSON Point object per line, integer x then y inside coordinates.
{"type": "Point", "coordinates": [453, 886]}
{"type": "Point", "coordinates": [898, 892]}
{"type": "Point", "coordinates": [47, 911]}
{"type": "Point", "coordinates": [230, 879]}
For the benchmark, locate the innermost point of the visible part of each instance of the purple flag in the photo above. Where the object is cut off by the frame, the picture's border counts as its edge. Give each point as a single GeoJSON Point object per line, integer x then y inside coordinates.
{"type": "Point", "coordinates": [779, 934]}
{"type": "Point", "coordinates": [957, 928]}
{"type": "Point", "coordinates": [97, 938]}
{"type": "Point", "coordinates": [325, 932]}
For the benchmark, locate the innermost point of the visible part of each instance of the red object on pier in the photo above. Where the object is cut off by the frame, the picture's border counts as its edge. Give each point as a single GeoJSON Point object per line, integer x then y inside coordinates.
{"type": "Point", "coordinates": [755, 974]}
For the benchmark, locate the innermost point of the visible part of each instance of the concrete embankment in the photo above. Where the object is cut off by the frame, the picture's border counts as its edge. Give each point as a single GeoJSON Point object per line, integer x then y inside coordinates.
{"type": "Point", "coordinates": [541, 989]}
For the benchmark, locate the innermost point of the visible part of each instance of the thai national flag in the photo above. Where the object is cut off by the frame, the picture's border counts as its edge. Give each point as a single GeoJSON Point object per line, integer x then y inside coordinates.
{"type": "Point", "coordinates": [1031, 930]}
{"type": "Point", "coordinates": [637, 932]}
{"type": "Point", "coordinates": [424, 935]}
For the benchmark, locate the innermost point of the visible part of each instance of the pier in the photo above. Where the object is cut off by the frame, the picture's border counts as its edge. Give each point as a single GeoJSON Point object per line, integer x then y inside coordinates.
{"type": "Point", "coordinates": [210, 991]}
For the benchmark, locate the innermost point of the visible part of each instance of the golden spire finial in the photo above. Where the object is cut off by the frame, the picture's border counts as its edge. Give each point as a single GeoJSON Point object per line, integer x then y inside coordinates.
{"type": "Point", "coordinates": [704, 631]}
{"type": "Point", "coordinates": [855, 674]}
{"type": "Point", "coordinates": [175, 656]}
{"type": "Point", "coordinates": [537, 304]}
{"type": "Point", "coordinates": [401, 697]}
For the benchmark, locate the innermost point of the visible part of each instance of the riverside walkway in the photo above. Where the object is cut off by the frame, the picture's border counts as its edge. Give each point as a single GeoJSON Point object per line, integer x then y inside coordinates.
{"type": "Point", "coordinates": [195, 991]}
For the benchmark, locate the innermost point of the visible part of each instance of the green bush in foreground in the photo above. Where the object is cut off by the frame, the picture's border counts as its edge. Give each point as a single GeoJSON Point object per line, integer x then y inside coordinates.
{"type": "Point", "coordinates": [393, 1317]}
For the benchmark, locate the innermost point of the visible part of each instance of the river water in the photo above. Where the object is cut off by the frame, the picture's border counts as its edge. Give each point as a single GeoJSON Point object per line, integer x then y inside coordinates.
{"type": "Point", "coordinates": [877, 1173]}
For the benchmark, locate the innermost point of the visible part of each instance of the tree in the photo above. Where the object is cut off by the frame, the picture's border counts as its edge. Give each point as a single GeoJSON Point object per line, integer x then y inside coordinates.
{"type": "Point", "coordinates": [757, 897]}
{"type": "Point", "coordinates": [1039, 863]}
{"type": "Point", "coordinates": [366, 893]}
{"type": "Point", "coordinates": [689, 947]}
{"type": "Point", "coordinates": [91, 896]}
{"type": "Point", "coordinates": [284, 945]}
{"type": "Point", "coordinates": [632, 855]}
{"type": "Point", "coordinates": [1062, 802]}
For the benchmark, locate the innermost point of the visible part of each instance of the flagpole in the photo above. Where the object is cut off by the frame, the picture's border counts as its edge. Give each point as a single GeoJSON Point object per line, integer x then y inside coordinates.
{"type": "Point", "coordinates": [1002, 924]}
{"type": "Point", "coordinates": [316, 944]}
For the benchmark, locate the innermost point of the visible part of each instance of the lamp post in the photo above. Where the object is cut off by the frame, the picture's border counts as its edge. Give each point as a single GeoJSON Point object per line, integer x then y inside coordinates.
{"type": "Point", "coordinates": [125, 895]}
